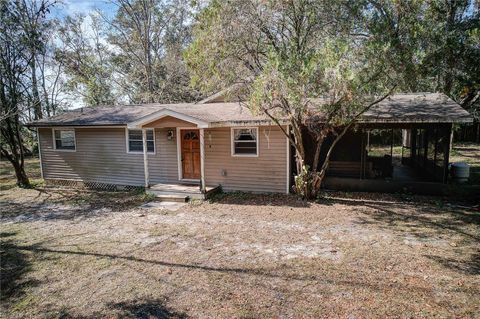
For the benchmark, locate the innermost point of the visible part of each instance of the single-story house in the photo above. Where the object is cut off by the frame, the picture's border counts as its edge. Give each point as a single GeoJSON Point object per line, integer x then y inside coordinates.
{"type": "Point", "coordinates": [215, 142]}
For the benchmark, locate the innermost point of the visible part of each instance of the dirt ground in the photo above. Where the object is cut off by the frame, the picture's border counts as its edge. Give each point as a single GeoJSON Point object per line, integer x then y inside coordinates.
{"type": "Point", "coordinates": [79, 254]}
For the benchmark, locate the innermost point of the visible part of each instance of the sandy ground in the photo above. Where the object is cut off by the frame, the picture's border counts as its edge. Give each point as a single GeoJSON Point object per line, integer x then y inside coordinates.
{"type": "Point", "coordinates": [68, 254]}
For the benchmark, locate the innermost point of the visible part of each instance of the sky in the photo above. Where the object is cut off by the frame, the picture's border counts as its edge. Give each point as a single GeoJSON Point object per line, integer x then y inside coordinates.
{"type": "Point", "coordinates": [72, 7]}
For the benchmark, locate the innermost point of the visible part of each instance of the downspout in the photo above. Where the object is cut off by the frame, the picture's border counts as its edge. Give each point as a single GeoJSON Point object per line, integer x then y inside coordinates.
{"type": "Point", "coordinates": [39, 154]}
{"type": "Point", "coordinates": [145, 157]}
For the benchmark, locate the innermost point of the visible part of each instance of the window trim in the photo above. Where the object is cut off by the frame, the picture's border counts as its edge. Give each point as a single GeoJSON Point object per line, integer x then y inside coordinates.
{"type": "Point", "coordinates": [232, 141]}
{"type": "Point", "coordinates": [140, 152]}
{"type": "Point", "coordinates": [55, 141]}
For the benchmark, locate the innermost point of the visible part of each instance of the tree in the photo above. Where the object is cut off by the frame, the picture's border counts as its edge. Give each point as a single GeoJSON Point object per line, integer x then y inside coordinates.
{"type": "Point", "coordinates": [86, 60]}
{"type": "Point", "coordinates": [14, 66]}
{"type": "Point", "coordinates": [299, 60]}
{"type": "Point", "coordinates": [433, 44]}
{"type": "Point", "coordinates": [45, 75]}
{"type": "Point", "coordinates": [149, 36]}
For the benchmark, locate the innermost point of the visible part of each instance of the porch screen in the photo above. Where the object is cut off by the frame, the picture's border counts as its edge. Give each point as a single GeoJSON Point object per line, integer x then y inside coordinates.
{"type": "Point", "coordinates": [245, 141]}
{"type": "Point", "coordinates": [135, 143]}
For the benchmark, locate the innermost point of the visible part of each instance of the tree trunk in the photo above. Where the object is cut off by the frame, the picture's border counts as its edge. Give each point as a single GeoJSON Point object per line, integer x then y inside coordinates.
{"type": "Point", "coordinates": [37, 105]}
{"type": "Point", "coordinates": [22, 178]}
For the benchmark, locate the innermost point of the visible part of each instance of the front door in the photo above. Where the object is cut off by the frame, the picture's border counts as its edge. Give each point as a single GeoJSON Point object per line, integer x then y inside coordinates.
{"type": "Point", "coordinates": [190, 154]}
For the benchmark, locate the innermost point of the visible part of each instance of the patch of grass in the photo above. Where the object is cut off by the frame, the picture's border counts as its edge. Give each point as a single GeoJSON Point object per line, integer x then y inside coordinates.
{"type": "Point", "coordinates": [195, 202]}
{"type": "Point", "coordinates": [381, 150]}
{"type": "Point", "coordinates": [23, 304]}
{"type": "Point", "coordinates": [147, 197]}
{"type": "Point", "coordinates": [7, 174]}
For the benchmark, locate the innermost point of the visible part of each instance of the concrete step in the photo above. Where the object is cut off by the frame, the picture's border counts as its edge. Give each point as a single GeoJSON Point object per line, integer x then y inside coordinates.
{"type": "Point", "coordinates": [172, 198]}
{"type": "Point", "coordinates": [174, 194]}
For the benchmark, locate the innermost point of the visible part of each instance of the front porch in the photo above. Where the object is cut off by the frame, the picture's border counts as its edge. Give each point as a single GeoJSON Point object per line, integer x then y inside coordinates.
{"type": "Point", "coordinates": [180, 192]}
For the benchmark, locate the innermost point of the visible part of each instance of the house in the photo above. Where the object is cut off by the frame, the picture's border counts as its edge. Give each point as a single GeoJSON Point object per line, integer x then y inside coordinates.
{"type": "Point", "coordinates": [215, 142]}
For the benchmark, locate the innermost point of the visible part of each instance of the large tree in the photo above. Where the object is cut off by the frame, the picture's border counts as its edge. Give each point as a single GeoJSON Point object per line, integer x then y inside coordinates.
{"type": "Point", "coordinates": [86, 59]}
{"type": "Point", "coordinates": [15, 59]}
{"type": "Point", "coordinates": [148, 37]}
{"type": "Point", "coordinates": [301, 61]}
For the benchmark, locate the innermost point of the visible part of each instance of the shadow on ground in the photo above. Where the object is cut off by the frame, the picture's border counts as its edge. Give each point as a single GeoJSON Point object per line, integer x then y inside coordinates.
{"type": "Point", "coordinates": [250, 199]}
{"type": "Point", "coordinates": [471, 266]}
{"type": "Point", "coordinates": [426, 223]}
{"type": "Point", "coordinates": [146, 309]}
{"type": "Point", "coordinates": [132, 309]}
{"type": "Point", "coordinates": [15, 265]}
{"type": "Point", "coordinates": [61, 204]}
{"type": "Point", "coordinates": [283, 272]}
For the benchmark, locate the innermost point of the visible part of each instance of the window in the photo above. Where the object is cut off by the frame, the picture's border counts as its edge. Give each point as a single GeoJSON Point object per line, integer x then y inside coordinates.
{"type": "Point", "coordinates": [64, 139]}
{"type": "Point", "coordinates": [244, 142]}
{"type": "Point", "coordinates": [135, 141]}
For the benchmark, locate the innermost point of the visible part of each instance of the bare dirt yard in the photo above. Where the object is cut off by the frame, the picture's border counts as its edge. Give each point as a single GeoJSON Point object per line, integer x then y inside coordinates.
{"type": "Point", "coordinates": [83, 254]}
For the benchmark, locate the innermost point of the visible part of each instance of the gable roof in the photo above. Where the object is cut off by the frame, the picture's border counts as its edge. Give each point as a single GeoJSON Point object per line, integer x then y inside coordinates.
{"type": "Point", "coordinates": [400, 108]}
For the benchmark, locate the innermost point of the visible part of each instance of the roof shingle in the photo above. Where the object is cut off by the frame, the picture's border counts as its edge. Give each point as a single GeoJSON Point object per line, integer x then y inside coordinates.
{"type": "Point", "coordinates": [400, 108]}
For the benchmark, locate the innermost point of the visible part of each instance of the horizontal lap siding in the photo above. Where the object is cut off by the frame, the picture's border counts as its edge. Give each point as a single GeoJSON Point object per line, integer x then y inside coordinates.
{"type": "Point", "coordinates": [265, 173]}
{"type": "Point", "coordinates": [101, 156]}
{"type": "Point", "coordinates": [163, 166]}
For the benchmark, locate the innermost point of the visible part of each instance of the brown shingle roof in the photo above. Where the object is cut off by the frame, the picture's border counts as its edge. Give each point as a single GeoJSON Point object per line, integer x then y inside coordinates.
{"type": "Point", "coordinates": [400, 108]}
{"type": "Point", "coordinates": [417, 108]}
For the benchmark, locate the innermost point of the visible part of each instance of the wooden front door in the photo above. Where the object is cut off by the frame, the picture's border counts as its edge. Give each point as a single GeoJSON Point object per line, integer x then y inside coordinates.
{"type": "Point", "coordinates": [190, 154]}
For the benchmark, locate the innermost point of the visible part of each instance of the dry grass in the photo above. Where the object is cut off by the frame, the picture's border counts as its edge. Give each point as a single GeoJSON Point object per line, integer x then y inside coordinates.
{"type": "Point", "coordinates": [7, 174]}
{"type": "Point", "coordinates": [239, 256]}
{"type": "Point", "coordinates": [85, 254]}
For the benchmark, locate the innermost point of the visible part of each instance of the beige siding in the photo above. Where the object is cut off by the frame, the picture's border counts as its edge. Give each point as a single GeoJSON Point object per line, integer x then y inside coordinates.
{"type": "Point", "coordinates": [169, 121]}
{"type": "Point", "coordinates": [163, 166]}
{"type": "Point", "coordinates": [265, 173]}
{"type": "Point", "coordinates": [101, 157]}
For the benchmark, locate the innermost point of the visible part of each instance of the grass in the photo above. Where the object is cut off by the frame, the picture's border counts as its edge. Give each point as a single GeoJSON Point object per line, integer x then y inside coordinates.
{"type": "Point", "coordinates": [7, 174]}
{"type": "Point", "coordinates": [381, 150]}
{"type": "Point", "coordinates": [238, 256]}
{"type": "Point", "coordinates": [468, 153]}
{"type": "Point", "coordinates": [67, 253]}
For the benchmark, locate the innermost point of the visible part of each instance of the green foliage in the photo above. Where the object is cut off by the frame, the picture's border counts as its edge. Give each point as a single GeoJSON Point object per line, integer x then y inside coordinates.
{"type": "Point", "coordinates": [321, 64]}
{"type": "Point", "coordinates": [86, 62]}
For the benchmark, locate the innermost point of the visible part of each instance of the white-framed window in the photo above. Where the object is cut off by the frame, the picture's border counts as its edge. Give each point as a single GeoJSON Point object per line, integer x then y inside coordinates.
{"type": "Point", "coordinates": [245, 141]}
{"type": "Point", "coordinates": [64, 139]}
{"type": "Point", "coordinates": [135, 141]}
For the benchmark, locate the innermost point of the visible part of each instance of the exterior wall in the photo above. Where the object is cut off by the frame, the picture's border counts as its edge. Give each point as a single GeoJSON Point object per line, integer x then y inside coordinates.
{"type": "Point", "coordinates": [265, 173]}
{"type": "Point", "coordinates": [163, 166]}
{"type": "Point", "coordinates": [101, 156]}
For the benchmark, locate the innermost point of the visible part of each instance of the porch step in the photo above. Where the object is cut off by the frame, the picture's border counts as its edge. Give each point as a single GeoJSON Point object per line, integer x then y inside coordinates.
{"type": "Point", "coordinates": [172, 198]}
{"type": "Point", "coordinates": [178, 192]}
{"type": "Point", "coordinates": [168, 194]}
